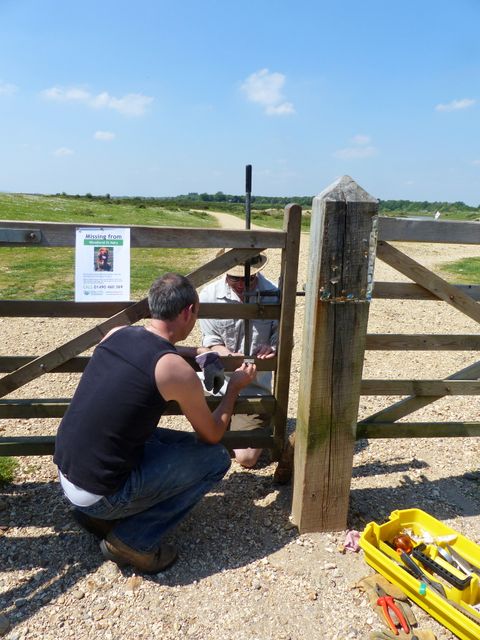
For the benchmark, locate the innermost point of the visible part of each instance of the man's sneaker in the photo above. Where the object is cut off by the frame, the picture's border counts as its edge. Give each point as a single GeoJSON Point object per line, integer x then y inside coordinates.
{"type": "Point", "coordinates": [114, 549]}
{"type": "Point", "coordinates": [99, 528]}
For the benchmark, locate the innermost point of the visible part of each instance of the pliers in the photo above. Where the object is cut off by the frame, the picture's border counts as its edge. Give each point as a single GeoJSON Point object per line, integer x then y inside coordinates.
{"type": "Point", "coordinates": [388, 604]}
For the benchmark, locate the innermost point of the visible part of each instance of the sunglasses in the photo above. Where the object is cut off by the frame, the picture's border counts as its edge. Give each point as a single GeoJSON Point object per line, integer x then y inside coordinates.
{"type": "Point", "coordinates": [241, 278]}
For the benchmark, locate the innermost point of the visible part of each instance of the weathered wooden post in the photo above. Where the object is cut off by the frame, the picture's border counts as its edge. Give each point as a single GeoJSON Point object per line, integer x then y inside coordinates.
{"type": "Point", "coordinates": [338, 291]}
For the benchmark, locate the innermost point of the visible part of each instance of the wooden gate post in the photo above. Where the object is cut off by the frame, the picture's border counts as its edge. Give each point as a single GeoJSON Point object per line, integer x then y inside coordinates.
{"type": "Point", "coordinates": [338, 291]}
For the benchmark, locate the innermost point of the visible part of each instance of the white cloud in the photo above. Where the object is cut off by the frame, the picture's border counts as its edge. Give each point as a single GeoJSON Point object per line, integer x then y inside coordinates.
{"type": "Point", "coordinates": [355, 152]}
{"type": "Point", "coordinates": [62, 152]}
{"type": "Point", "coordinates": [7, 89]}
{"type": "Point", "coordinates": [283, 109]}
{"type": "Point", "coordinates": [361, 149]}
{"type": "Point", "coordinates": [360, 138]}
{"type": "Point", "coordinates": [476, 162]}
{"type": "Point", "coordinates": [265, 88]}
{"type": "Point", "coordinates": [456, 105]}
{"type": "Point", "coordinates": [131, 104]}
{"type": "Point", "coordinates": [105, 136]}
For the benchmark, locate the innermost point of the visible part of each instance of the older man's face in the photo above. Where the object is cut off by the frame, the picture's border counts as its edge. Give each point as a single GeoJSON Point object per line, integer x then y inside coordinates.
{"type": "Point", "coordinates": [237, 283]}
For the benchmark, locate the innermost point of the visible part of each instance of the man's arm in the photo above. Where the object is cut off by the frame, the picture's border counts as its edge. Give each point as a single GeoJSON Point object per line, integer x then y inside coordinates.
{"type": "Point", "coordinates": [211, 334]}
{"type": "Point", "coordinates": [176, 380]}
{"type": "Point", "coordinates": [191, 352]}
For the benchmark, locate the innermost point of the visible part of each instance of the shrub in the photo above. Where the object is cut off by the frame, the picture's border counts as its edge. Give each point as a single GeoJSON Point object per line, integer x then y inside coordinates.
{"type": "Point", "coordinates": [8, 467]}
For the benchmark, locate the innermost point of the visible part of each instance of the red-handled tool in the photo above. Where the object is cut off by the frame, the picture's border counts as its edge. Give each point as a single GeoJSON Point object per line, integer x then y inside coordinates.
{"type": "Point", "coordinates": [388, 604]}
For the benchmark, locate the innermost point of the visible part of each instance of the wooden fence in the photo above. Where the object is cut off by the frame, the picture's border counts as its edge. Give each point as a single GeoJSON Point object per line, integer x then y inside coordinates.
{"type": "Point", "coordinates": [345, 237]}
{"type": "Point", "coordinates": [21, 370]}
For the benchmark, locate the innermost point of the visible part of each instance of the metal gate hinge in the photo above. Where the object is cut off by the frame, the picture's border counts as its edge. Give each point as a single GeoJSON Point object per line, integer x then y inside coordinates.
{"type": "Point", "coordinates": [20, 236]}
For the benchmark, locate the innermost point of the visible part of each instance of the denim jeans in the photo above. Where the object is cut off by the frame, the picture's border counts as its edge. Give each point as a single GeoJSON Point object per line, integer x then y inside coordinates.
{"type": "Point", "coordinates": [176, 471]}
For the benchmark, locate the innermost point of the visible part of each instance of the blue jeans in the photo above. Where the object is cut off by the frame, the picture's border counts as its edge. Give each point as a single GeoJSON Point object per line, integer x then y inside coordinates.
{"type": "Point", "coordinates": [176, 471]}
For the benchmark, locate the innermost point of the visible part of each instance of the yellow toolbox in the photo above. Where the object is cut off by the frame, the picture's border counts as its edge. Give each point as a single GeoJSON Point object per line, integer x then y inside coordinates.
{"type": "Point", "coordinates": [442, 555]}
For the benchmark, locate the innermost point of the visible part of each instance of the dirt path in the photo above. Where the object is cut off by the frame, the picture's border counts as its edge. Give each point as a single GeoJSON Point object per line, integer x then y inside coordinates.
{"type": "Point", "coordinates": [244, 573]}
{"type": "Point", "coordinates": [229, 221]}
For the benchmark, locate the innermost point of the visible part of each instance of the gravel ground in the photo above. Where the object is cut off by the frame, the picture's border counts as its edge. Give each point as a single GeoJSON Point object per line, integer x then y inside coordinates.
{"type": "Point", "coordinates": [244, 571]}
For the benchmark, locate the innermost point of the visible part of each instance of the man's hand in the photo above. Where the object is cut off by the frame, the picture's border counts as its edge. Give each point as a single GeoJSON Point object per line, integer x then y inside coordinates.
{"type": "Point", "coordinates": [243, 376]}
{"type": "Point", "coordinates": [213, 372]}
{"type": "Point", "coordinates": [265, 351]}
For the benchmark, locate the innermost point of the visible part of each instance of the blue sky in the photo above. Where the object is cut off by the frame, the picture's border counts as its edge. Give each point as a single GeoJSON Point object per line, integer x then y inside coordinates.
{"type": "Point", "coordinates": [161, 98]}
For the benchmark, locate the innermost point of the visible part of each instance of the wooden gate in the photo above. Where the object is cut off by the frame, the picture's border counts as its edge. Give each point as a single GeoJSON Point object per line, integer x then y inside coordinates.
{"type": "Point", "coordinates": [21, 370]}
{"type": "Point", "coordinates": [344, 230]}
{"type": "Point", "coordinates": [426, 286]}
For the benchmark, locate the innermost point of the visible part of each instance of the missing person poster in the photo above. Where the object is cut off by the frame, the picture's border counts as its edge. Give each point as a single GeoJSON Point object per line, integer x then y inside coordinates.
{"type": "Point", "coordinates": [102, 264]}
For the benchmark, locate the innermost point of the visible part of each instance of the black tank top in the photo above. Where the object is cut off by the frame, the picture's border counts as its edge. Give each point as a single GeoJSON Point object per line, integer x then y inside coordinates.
{"type": "Point", "coordinates": [115, 409]}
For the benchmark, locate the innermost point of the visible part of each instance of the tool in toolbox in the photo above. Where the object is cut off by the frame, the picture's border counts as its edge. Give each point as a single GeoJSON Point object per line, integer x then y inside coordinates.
{"type": "Point", "coordinates": [462, 564]}
{"type": "Point", "coordinates": [438, 586]}
{"type": "Point", "coordinates": [388, 604]}
{"type": "Point", "coordinates": [404, 542]}
{"type": "Point", "coordinates": [421, 575]}
{"type": "Point", "coordinates": [418, 553]}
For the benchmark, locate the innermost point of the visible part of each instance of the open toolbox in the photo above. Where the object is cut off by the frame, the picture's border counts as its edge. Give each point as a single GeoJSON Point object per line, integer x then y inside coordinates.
{"type": "Point", "coordinates": [445, 577]}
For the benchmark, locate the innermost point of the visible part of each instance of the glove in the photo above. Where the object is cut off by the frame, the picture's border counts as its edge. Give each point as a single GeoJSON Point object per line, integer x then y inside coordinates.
{"type": "Point", "coordinates": [368, 586]}
{"type": "Point", "coordinates": [213, 372]}
{"type": "Point", "coordinates": [420, 634]}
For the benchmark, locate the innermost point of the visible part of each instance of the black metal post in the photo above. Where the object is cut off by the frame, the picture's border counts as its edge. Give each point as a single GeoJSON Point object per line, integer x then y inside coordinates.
{"type": "Point", "coordinates": [248, 195]}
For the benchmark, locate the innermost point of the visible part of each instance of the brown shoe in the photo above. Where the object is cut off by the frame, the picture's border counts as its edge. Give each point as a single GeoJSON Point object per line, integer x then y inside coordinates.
{"type": "Point", "coordinates": [99, 528]}
{"type": "Point", "coordinates": [284, 470]}
{"type": "Point", "coordinates": [114, 549]}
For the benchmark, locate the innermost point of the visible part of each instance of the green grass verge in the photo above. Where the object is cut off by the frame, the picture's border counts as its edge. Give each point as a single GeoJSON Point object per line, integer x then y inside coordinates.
{"type": "Point", "coordinates": [8, 467]}
{"type": "Point", "coordinates": [47, 273]}
{"type": "Point", "coordinates": [24, 207]}
{"type": "Point", "coordinates": [465, 271]}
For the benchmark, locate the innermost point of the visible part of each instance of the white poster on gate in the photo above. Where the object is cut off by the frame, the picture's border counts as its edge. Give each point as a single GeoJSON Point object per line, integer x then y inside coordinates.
{"type": "Point", "coordinates": [102, 264]}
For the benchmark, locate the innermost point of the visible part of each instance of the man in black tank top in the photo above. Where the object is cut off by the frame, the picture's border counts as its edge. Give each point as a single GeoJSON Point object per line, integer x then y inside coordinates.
{"type": "Point", "coordinates": [129, 480]}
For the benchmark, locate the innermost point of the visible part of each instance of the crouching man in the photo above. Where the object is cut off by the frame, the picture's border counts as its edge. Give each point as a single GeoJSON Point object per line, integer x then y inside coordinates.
{"type": "Point", "coordinates": [129, 480]}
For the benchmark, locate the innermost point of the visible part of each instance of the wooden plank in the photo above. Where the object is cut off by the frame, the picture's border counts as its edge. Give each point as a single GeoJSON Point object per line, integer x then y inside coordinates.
{"type": "Point", "coordinates": [227, 310]}
{"type": "Point", "coordinates": [422, 342]}
{"type": "Point", "coordinates": [61, 309]}
{"type": "Point", "coordinates": [27, 446]}
{"type": "Point", "coordinates": [257, 438]}
{"type": "Point", "coordinates": [45, 445]}
{"type": "Point", "coordinates": [78, 364]}
{"type": "Point", "coordinates": [411, 291]}
{"type": "Point", "coordinates": [58, 234]}
{"type": "Point", "coordinates": [444, 231]}
{"type": "Point", "coordinates": [56, 407]}
{"type": "Point", "coordinates": [342, 251]}
{"type": "Point", "coordinates": [74, 347]}
{"type": "Point", "coordinates": [420, 387]}
{"type": "Point", "coordinates": [288, 283]}
{"type": "Point", "coordinates": [429, 280]}
{"type": "Point", "coordinates": [12, 363]}
{"type": "Point", "coordinates": [418, 429]}
{"type": "Point", "coordinates": [409, 405]}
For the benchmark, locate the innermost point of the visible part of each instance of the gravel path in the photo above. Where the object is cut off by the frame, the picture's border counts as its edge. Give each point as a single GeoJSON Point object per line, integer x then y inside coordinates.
{"type": "Point", "coordinates": [244, 572]}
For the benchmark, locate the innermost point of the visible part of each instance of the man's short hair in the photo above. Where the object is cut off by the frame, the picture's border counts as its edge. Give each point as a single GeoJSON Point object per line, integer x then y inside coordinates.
{"type": "Point", "coordinates": [169, 295]}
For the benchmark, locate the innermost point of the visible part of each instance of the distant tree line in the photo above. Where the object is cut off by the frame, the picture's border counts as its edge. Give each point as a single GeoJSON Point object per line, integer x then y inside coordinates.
{"type": "Point", "coordinates": [413, 206]}
{"type": "Point", "coordinates": [235, 203]}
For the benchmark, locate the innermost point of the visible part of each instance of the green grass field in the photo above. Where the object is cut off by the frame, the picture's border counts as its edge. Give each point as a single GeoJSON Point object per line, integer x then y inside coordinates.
{"type": "Point", "coordinates": [47, 273]}
{"type": "Point", "coordinates": [101, 211]}
{"type": "Point", "coordinates": [466, 271]}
